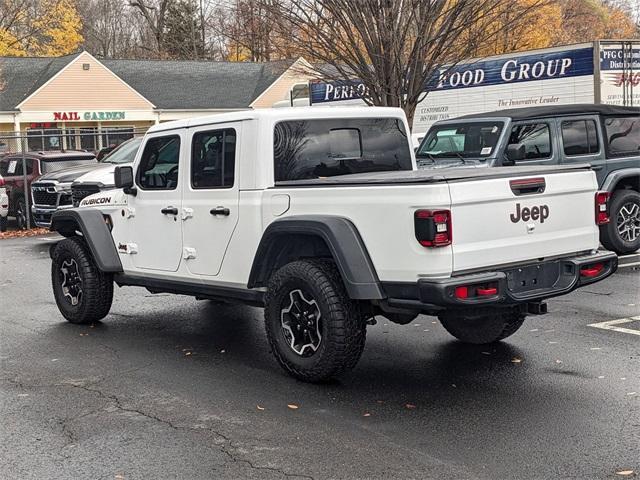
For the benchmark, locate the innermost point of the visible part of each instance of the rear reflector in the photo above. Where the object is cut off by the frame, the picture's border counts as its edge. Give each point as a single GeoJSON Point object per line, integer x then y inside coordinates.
{"type": "Point", "coordinates": [433, 227]}
{"type": "Point", "coordinates": [602, 208]}
{"type": "Point", "coordinates": [591, 271]}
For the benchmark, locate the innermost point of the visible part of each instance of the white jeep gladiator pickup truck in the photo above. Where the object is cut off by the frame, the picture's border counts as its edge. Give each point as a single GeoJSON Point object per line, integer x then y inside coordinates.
{"type": "Point", "coordinates": [321, 216]}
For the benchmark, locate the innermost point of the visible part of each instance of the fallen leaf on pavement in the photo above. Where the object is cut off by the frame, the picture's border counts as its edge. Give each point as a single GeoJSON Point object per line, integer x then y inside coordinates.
{"type": "Point", "coordinates": [516, 360]}
{"type": "Point", "coordinates": [259, 407]}
{"type": "Point", "coordinates": [625, 473]}
{"type": "Point", "coordinates": [367, 414]}
{"type": "Point", "coordinates": [188, 353]}
{"type": "Point", "coordinates": [292, 406]}
{"type": "Point", "coordinates": [558, 361]}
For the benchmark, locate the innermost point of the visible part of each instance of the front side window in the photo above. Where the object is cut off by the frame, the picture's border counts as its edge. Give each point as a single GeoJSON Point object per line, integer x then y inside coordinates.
{"type": "Point", "coordinates": [305, 149]}
{"type": "Point", "coordinates": [535, 137]}
{"type": "Point", "coordinates": [579, 137]}
{"type": "Point", "coordinates": [158, 168]}
{"type": "Point", "coordinates": [466, 140]}
{"type": "Point", "coordinates": [623, 136]}
{"type": "Point", "coordinates": [213, 155]}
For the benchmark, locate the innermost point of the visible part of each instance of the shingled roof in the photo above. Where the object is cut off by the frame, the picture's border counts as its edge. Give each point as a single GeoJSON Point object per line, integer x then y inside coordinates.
{"type": "Point", "coordinates": [168, 84]}
{"type": "Point", "coordinates": [21, 76]}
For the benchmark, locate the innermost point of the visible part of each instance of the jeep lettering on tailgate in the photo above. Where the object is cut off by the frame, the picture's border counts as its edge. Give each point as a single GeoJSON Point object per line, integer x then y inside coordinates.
{"type": "Point", "coordinates": [534, 213]}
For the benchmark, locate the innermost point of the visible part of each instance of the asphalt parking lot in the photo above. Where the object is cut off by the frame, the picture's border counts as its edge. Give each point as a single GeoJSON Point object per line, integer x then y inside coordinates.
{"type": "Point", "coordinates": [171, 387]}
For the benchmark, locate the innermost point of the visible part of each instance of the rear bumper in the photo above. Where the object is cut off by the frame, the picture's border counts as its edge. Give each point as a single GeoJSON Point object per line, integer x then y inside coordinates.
{"type": "Point", "coordinates": [514, 285]}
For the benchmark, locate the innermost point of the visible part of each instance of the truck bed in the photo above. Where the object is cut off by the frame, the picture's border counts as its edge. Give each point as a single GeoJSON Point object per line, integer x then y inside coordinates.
{"type": "Point", "coordinates": [452, 174]}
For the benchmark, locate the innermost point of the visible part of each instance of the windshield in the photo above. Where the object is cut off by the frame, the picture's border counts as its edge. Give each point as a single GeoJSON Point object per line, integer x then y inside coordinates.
{"type": "Point", "coordinates": [305, 149]}
{"type": "Point", "coordinates": [55, 165]}
{"type": "Point", "coordinates": [125, 152]}
{"type": "Point", "coordinates": [461, 140]}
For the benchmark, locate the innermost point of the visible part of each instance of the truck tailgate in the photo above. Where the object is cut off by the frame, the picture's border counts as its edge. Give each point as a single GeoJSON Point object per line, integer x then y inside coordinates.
{"type": "Point", "coordinates": [495, 224]}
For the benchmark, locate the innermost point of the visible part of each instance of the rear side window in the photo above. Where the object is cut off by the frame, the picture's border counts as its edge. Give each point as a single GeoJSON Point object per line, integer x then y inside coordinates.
{"type": "Point", "coordinates": [535, 137]}
{"type": "Point", "coordinates": [623, 136]}
{"type": "Point", "coordinates": [12, 167]}
{"type": "Point", "coordinates": [159, 165]}
{"type": "Point", "coordinates": [213, 155]}
{"type": "Point", "coordinates": [579, 137]}
{"type": "Point", "coordinates": [305, 149]}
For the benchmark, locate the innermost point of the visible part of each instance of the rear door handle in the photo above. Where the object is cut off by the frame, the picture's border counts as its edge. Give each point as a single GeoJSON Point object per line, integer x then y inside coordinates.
{"type": "Point", "coordinates": [169, 211]}
{"type": "Point", "coordinates": [597, 167]}
{"type": "Point", "coordinates": [220, 211]}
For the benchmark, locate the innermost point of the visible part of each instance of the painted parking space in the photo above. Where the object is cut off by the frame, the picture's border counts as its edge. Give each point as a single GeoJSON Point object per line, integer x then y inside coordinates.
{"type": "Point", "coordinates": [621, 325]}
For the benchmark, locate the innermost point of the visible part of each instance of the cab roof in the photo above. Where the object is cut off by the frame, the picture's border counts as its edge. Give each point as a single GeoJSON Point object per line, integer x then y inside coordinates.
{"type": "Point", "coordinates": [528, 113]}
{"type": "Point", "coordinates": [285, 113]}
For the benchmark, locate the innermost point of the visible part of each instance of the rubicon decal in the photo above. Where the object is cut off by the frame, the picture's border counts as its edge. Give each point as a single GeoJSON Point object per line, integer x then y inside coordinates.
{"type": "Point", "coordinates": [530, 213]}
{"type": "Point", "coordinates": [96, 201]}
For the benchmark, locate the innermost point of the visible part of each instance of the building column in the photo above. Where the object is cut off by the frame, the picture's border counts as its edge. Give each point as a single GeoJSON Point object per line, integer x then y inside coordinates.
{"type": "Point", "coordinates": [99, 136]}
{"type": "Point", "coordinates": [64, 136]}
{"type": "Point", "coordinates": [16, 131]}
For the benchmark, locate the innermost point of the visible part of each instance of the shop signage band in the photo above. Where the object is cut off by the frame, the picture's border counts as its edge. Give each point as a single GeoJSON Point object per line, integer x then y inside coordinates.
{"type": "Point", "coordinates": [87, 116]}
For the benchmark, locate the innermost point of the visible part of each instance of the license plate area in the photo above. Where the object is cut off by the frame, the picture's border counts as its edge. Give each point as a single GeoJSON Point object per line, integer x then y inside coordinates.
{"type": "Point", "coordinates": [533, 277]}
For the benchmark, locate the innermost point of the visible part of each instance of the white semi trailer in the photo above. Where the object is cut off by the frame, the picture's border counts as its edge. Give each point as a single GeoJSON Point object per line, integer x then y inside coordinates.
{"type": "Point", "coordinates": [604, 71]}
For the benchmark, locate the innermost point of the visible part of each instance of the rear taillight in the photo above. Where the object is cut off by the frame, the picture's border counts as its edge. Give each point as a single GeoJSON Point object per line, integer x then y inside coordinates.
{"type": "Point", "coordinates": [602, 208]}
{"type": "Point", "coordinates": [1, 182]}
{"type": "Point", "coordinates": [433, 227]}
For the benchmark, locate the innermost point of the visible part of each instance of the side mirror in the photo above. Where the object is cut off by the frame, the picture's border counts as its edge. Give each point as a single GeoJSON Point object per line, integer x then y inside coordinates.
{"type": "Point", "coordinates": [123, 177]}
{"type": "Point", "coordinates": [515, 152]}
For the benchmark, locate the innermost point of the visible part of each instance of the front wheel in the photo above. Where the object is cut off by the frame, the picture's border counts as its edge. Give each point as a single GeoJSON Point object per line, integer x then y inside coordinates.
{"type": "Point", "coordinates": [314, 329]}
{"type": "Point", "coordinates": [83, 293]}
{"type": "Point", "coordinates": [3, 224]}
{"type": "Point", "coordinates": [622, 233]}
{"type": "Point", "coordinates": [479, 326]}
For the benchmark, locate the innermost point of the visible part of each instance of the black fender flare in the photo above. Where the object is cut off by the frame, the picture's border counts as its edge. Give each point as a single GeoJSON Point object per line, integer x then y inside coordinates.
{"type": "Point", "coordinates": [91, 224]}
{"type": "Point", "coordinates": [341, 238]}
{"type": "Point", "coordinates": [614, 178]}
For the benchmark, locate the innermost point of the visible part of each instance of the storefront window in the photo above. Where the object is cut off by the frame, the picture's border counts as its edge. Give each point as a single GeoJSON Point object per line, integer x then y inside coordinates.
{"type": "Point", "coordinates": [45, 139]}
{"type": "Point", "coordinates": [88, 139]}
{"type": "Point", "coordinates": [113, 136]}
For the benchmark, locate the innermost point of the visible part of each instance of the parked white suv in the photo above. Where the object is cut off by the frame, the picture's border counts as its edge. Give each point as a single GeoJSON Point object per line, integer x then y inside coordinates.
{"type": "Point", "coordinates": [320, 216]}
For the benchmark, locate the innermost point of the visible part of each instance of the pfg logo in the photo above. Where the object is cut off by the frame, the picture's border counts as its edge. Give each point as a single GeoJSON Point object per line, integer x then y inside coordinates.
{"type": "Point", "coordinates": [96, 201]}
{"type": "Point", "coordinates": [534, 213]}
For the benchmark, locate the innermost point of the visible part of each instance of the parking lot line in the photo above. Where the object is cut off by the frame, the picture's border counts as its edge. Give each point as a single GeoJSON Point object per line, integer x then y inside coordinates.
{"type": "Point", "coordinates": [612, 325]}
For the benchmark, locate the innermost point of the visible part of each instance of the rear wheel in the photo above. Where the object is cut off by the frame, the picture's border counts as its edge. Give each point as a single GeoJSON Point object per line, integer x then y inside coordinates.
{"type": "Point", "coordinates": [314, 329]}
{"type": "Point", "coordinates": [480, 326]}
{"type": "Point", "coordinates": [83, 293]}
{"type": "Point", "coordinates": [21, 214]}
{"type": "Point", "coordinates": [622, 233]}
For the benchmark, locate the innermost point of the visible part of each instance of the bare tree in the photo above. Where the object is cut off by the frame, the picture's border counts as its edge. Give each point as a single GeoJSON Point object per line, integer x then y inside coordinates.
{"type": "Point", "coordinates": [154, 13]}
{"type": "Point", "coordinates": [394, 47]}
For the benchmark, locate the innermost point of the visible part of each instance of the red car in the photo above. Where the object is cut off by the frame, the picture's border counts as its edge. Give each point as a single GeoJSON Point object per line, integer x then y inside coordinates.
{"type": "Point", "coordinates": [37, 163]}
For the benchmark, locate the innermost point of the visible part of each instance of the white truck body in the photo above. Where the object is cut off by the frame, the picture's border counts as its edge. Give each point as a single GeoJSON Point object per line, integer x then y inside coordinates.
{"type": "Point", "coordinates": [297, 200]}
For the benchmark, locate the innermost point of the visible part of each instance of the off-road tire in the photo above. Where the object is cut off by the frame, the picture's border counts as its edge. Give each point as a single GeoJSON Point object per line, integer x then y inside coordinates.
{"type": "Point", "coordinates": [609, 235]}
{"type": "Point", "coordinates": [480, 326]}
{"type": "Point", "coordinates": [97, 286]}
{"type": "Point", "coordinates": [3, 224]}
{"type": "Point", "coordinates": [343, 326]}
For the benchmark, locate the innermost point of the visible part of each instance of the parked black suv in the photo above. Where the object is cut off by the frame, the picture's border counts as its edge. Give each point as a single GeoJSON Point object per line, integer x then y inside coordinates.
{"type": "Point", "coordinates": [605, 136]}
